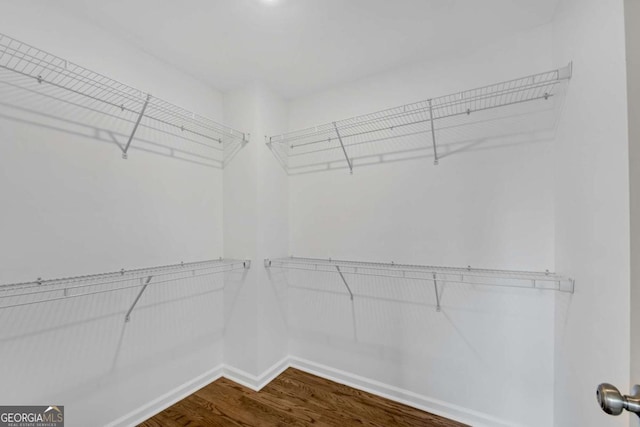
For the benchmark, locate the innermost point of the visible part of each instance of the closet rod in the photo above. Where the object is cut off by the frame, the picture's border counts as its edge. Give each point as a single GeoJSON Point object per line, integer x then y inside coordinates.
{"type": "Point", "coordinates": [433, 274]}
{"type": "Point", "coordinates": [41, 288]}
{"type": "Point", "coordinates": [528, 88]}
{"type": "Point", "coordinates": [123, 272]}
{"type": "Point", "coordinates": [421, 117]}
{"type": "Point", "coordinates": [67, 286]}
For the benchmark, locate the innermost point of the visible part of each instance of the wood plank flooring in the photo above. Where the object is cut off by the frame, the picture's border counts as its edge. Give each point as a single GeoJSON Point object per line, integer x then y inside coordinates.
{"type": "Point", "coordinates": [295, 398]}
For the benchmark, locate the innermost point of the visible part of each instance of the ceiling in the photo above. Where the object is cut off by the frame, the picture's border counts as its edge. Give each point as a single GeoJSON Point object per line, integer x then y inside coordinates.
{"type": "Point", "coordinates": [298, 47]}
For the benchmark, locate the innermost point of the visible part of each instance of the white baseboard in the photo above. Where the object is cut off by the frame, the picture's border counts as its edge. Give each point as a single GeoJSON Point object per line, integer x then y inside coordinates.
{"type": "Point", "coordinates": [409, 398]}
{"type": "Point", "coordinates": [158, 405]}
{"type": "Point", "coordinates": [168, 399]}
{"type": "Point", "coordinates": [257, 382]}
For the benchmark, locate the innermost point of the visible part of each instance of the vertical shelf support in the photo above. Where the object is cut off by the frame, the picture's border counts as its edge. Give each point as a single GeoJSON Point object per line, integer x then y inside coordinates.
{"type": "Point", "coordinates": [435, 287]}
{"type": "Point", "coordinates": [345, 282]}
{"type": "Point", "coordinates": [433, 134]}
{"type": "Point", "coordinates": [128, 316]}
{"type": "Point", "coordinates": [135, 127]}
{"type": "Point", "coordinates": [343, 149]}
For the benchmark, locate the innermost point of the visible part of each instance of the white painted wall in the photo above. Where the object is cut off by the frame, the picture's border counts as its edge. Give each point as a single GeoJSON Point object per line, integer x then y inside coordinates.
{"type": "Point", "coordinates": [256, 227]}
{"type": "Point", "coordinates": [159, 200]}
{"type": "Point", "coordinates": [240, 210]}
{"type": "Point", "coordinates": [490, 203]}
{"type": "Point", "coordinates": [592, 212]}
{"type": "Point", "coordinates": [71, 205]}
{"type": "Point", "coordinates": [273, 236]}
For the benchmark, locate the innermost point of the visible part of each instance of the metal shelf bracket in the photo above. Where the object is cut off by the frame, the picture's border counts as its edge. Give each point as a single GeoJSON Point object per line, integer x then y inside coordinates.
{"type": "Point", "coordinates": [435, 287]}
{"type": "Point", "coordinates": [135, 127]}
{"type": "Point", "coordinates": [246, 264]}
{"type": "Point", "coordinates": [345, 282]}
{"type": "Point", "coordinates": [433, 134]}
{"type": "Point", "coordinates": [144, 287]}
{"type": "Point", "coordinates": [267, 263]}
{"type": "Point", "coordinates": [343, 149]}
{"type": "Point", "coordinates": [566, 72]}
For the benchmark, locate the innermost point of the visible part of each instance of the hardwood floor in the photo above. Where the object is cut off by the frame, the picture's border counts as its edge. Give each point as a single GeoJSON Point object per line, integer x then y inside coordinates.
{"type": "Point", "coordinates": [295, 398]}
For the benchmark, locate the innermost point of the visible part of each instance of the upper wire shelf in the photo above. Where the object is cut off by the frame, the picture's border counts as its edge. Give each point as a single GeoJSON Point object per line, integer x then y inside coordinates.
{"type": "Point", "coordinates": [42, 291]}
{"type": "Point", "coordinates": [419, 117]}
{"type": "Point", "coordinates": [436, 275]}
{"type": "Point", "coordinates": [114, 98]}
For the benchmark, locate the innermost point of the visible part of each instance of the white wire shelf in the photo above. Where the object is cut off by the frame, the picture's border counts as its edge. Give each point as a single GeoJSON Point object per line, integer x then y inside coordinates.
{"type": "Point", "coordinates": [436, 275]}
{"type": "Point", "coordinates": [415, 118]}
{"type": "Point", "coordinates": [42, 291]}
{"type": "Point", "coordinates": [108, 96]}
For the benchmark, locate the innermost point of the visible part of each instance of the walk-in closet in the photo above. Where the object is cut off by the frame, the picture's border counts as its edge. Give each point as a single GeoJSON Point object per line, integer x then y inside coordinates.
{"type": "Point", "coordinates": [319, 212]}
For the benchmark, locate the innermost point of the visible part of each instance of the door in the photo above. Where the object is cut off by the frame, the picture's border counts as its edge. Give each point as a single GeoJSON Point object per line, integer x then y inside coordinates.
{"type": "Point", "coordinates": [610, 399]}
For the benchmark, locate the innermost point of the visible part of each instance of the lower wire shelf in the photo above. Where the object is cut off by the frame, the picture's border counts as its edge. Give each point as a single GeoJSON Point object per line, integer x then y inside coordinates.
{"type": "Point", "coordinates": [436, 275]}
{"type": "Point", "coordinates": [42, 291]}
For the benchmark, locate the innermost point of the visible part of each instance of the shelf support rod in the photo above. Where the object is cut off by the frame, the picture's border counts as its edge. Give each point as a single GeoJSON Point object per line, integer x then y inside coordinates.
{"type": "Point", "coordinates": [345, 282]}
{"type": "Point", "coordinates": [433, 134]}
{"type": "Point", "coordinates": [343, 149]}
{"type": "Point", "coordinates": [135, 127]}
{"type": "Point", "coordinates": [435, 286]}
{"type": "Point", "coordinates": [128, 316]}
